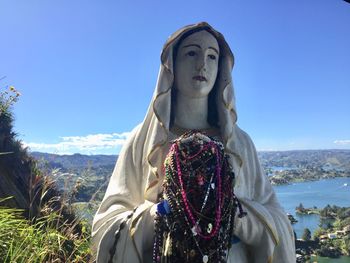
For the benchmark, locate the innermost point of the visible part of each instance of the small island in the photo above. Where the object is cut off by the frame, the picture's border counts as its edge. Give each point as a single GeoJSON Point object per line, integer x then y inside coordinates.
{"type": "Point", "coordinates": [300, 209]}
{"type": "Point", "coordinates": [291, 218]}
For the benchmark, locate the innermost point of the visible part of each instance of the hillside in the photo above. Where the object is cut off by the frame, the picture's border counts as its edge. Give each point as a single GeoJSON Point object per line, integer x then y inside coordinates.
{"type": "Point", "coordinates": [327, 159]}
{"type": "Point", "coordinates": [75, 161]}
{"type": "Point", "coordinates": [89, 174]}
{"type": "Point", "coordinates": [308, 165]}
{"type": "Point", "coordinates": [37, 222]}
{"type": "Point", "coordinates": [85, 177]}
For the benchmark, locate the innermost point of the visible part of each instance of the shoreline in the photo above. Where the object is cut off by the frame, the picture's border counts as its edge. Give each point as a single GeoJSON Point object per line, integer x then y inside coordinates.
{"type": "Point", "coordinates": [277, 180]}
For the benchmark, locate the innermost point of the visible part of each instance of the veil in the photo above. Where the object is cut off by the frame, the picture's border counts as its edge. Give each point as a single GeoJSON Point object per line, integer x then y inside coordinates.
{"type": "Point", "coordinates": [157, 121]}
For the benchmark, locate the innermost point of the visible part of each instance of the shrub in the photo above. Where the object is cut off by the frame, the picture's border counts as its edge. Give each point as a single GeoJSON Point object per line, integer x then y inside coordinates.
{"type": "Point", "coordinates": [306, 234]}
{"type": "Point", "coordinates": [44, 240]}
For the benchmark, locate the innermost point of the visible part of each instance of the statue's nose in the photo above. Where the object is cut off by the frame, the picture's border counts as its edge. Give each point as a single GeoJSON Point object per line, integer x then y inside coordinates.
{"type": "Point", "coordinates": [201, 63]}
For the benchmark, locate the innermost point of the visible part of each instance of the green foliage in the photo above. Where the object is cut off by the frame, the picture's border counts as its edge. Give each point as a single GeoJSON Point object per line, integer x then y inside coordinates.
{"type": "Point", "coordinates": [306, 234]}
{"type": "Point", "coordinates": [346, 245]}
{"type": "Point", "coordinates": [84, 177]}
{"type": "Point", "coordinates": [46, 229]}
{"type": "Point", "coordinates": [301, 206]}
{"type": "Point", "coordinates": [15, 164]}
{"type": "Point", "coordinates": [330, 211]}
{"type": "Point", "coordinates": [44, 240]}
{"type": "Point", "coordinates": [7, 99]}
{"type": "Point", "coordinates": [319, 232]}
{"type": "Point", "coordinates": [335, 220]}
{"type": "Point", "coordinates": [343, 213]}
{"type": "Point", "coordinates": [345, 222]}
{"type": "Point", "coordinates": [327, 250]}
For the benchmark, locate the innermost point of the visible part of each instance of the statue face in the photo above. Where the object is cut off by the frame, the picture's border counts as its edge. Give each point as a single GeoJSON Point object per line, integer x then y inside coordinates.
{"type": "Point", "coordinates": [196, 64]}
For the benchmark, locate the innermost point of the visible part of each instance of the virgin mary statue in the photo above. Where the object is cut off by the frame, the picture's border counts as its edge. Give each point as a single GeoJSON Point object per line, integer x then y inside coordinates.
{"type": "Point", "coordinates": [194, 91]}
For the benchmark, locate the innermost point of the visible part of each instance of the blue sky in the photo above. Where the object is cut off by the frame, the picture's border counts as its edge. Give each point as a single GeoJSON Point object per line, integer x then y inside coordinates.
{"type": "Point", "coordinates": [87, 69]}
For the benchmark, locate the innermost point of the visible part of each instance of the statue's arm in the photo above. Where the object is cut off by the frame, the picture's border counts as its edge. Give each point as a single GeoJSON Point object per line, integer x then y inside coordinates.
{"type": "Point", "coordinates": [124, 217]}
{"type": "Point", "coordinates": [266, 228]}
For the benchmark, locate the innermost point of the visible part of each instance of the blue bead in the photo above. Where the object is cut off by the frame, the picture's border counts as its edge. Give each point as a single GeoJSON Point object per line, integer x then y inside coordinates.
{"type": "Point", "coordinates": [235, 240]}
{"type": "Point", "coordinates": [163, 208]}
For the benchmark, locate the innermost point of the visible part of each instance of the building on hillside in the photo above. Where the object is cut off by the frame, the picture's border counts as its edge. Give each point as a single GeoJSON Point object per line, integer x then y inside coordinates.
{"type": "Point", "coordinates": [332, 235]}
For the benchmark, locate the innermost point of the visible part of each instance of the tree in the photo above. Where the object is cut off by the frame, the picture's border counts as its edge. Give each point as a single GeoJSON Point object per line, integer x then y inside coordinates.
{"type": "Point", "coordinates": [306, 234]}
{"type": "Point", "coordinates": [300, 208]}
{"type": "Point", "coordinates": [346, 245]}
{"type": "Point", "coordinates": [319, 232]}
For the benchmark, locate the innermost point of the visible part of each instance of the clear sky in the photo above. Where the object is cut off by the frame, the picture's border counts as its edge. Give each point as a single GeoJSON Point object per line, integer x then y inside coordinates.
{"type": "Point", "coordinates": [87, 69]}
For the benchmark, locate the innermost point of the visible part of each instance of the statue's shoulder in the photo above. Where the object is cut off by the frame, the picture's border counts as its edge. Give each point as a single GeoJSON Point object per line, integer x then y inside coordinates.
{"type": "Point", "coordinates": [246, 148]}
{"type": "Point", "coordinates": [243, 137]}
{"type": "Point", "coordinates": [131, 138]}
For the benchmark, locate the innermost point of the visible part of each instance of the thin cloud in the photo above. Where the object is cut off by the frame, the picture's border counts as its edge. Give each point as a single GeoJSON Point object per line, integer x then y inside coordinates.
{"type": "Point", "coordinates": [342, 142]}
{"type": "Point", "coordinates": [89, 144]}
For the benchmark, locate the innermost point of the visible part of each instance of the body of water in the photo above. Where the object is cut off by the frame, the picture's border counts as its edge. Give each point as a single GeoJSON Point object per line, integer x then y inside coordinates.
{"type": "Point", "coordinates": [317, 193]}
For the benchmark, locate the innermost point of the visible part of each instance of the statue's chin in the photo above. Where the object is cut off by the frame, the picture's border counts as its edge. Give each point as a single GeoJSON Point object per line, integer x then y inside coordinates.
{"type": "Point", "coordinates": [199, 89]}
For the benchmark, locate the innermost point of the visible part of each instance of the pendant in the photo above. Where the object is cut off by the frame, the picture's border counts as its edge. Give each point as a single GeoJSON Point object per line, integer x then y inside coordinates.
{"type": "Point", "coordinates": [210, 228]}
{"type": "Point", "coordinates": [168, 246]}
{"type": "Point", "coordinates": [213, 185]}
{"type": "Point", "coordinates": [205, 259]}
{"type": "Point", "coordinates": [200, 180]}
{"type": "Point", "coordinates": [194, 231]}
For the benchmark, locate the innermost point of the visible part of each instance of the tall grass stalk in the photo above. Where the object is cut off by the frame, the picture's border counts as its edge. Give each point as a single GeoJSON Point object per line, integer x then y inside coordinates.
{"type": "Point", "coordinates": [42, 240]}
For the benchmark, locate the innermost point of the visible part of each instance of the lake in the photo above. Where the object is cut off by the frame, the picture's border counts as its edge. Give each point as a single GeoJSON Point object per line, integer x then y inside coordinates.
{"type": "Point", "coordinates": [317, 193]}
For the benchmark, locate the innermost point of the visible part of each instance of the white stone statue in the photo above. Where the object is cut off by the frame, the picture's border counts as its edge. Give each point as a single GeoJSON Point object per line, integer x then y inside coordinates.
{"type": "Point", "coordinates": [194, 91]}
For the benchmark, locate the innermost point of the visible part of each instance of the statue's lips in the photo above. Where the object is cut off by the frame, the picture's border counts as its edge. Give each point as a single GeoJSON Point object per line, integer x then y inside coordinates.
{"type": "Point", "coordinates": [199, 78]}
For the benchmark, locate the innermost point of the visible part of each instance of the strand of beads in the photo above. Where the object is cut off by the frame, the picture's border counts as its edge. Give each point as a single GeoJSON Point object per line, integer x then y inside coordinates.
{"type": "Point", "coordinates": [195, 228]}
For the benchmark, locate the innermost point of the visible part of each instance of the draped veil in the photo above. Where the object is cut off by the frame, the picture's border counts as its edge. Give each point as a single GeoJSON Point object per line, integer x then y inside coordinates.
{"type": "Point", "coordinates": [122, 227]}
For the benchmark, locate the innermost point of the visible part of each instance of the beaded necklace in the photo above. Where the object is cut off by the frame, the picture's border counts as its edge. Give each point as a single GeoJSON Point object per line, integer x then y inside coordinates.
{"type": "Point", "coordinates": [195, 219]}
{"type": "Point", "coordinates": [189, 213]}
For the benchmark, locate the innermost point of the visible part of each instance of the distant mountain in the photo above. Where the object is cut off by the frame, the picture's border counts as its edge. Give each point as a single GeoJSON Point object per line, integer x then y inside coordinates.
{"type": "Point", "coordinates": [308, 165]}
{"type": "Point", "coordinates": [85, 176]}
{"type": "Point", "coordinates": [338, 159]}
{"type": "Point", "coordinates": [75, 161]}
{"type": "Point", "coordinates": [326, 159]}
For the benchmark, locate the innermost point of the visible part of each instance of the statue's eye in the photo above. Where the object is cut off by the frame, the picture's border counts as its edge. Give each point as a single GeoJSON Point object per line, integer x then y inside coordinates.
{"type": "Point", "coordinates": [213, 57]}
{"type": "Point", "coordinates": [191, 53]}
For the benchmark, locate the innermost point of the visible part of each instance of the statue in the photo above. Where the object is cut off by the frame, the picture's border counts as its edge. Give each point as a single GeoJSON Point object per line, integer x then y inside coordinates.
{"type": "Point", "coordinates": [194, 91]}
